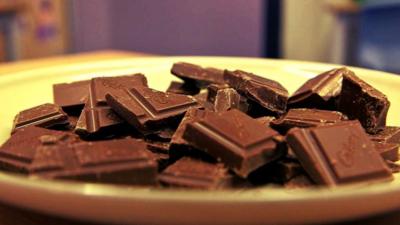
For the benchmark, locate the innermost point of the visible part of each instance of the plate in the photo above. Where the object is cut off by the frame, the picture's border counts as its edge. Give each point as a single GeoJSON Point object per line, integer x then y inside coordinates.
{"type": "Point", "coordinates": [135, 205]}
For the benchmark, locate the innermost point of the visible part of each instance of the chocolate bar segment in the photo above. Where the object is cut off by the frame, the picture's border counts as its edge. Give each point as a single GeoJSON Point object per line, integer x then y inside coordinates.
{"type": "Point", "coordinates": [338, 154]}
{"type": "Point", "coordinates": [71, 96]}
{"type": "Point", "coordinates": [125, 161]}
{"type": "Point", "coordinates": [238, 141]}
{"type": "Point", "coordinates": [389, 134]}
{"type": "Point", "coordinates": [223, 98]}
{"type": "Point", "coordinates": [359, 100]}
{"type": "Point", "coordinates": [267, 93]}
{"type": "Point", "coordinates": [46, 115]}
{"type": "Point", "coordinates": [183, 88]}
{"type": "Point", "coordinates": [319, 92]}
{"type": "Point", "coordinates": [388, 151]}
{"type": "Point", "coordinates": [149, 110]}
{"type": "Point", "coordinates": [193, 173]}
{"type": "Point", "coordinates": [306, 118]}
{"type": "Point", "coordinates": [198, 75]}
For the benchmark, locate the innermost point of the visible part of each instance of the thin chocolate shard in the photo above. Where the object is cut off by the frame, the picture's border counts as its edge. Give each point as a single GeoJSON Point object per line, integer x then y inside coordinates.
{"type": "Point", "coordinates": [338, 154]}
{"type": "Point", "coordinates": [71, 96]}
{"type": "Point", "coordinates": [183, 88]}
{"type": "Point", "coordinates": [193, 173]}
{"type": "Point", "coordinates": [46, 115]}
{"type": "Point", "coordinates": [389, 134]}
{"type": "Point", "coordinates": [267, 93]}
{"type": "Point", "coordinates": [306, 118]}
{"type": "Point", "coordinates": [359, 100]}
{"type": "Point", "coordinates": [125, 161]}
{"type": "Point", "coordinates": [149, 110]}
{"type": "Point", "coordinates": [17, 153]}
{"type": "Point", "coordinates": [223, 98]}
{"type": "Point", "coordinates": [197, 75]}
{"type": "Point", "coordinates": [235, 139]}
{"type": "Point", "coordinates": [388, 151]}
{"type": "Point", "coordinates": [319, 92]}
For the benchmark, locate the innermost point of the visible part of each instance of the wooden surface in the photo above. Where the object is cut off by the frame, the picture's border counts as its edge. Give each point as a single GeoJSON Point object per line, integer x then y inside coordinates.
{"type": "Point", "coordinates": [10, 215]}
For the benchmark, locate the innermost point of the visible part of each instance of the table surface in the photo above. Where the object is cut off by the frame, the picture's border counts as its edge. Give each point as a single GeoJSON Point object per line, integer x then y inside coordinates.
{"type": "Point", "coordinates": [10, 215]}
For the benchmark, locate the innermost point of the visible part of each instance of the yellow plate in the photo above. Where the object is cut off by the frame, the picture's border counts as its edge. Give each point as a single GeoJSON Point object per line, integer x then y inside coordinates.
{"type": "Point", "coordinates": [133, 205]}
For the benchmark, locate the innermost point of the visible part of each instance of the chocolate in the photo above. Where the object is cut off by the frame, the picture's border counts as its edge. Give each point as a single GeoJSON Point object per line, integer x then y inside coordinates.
{"type": "Point", "coordinates": [306, 118]}
{"type": "Point", "coordinates": [265, 120]}
{"type": "Point", "coordinates": [394, 167]}
{"type": "Point", "coordinates": [149, 110]}
{"type": "Point", "coordinates": [319, 92]}
{"type": "Point", "coordinates": [267, 93]}
{"type": "Point", "coordinates": [193, 173]}
{"type": "Point", "coordinates": [17, 153]}
{"type": "Point", "coordinates": [358, 100]}
{"type": "Point", "coordinates": [277, 172]}
{"type": "Point", "coordinates": [338, 154]}
{"type": "Point", "coordinates": [389, 134]}
{"type": "Point", "coordinates": [183, 88]}
{"type": "Point", "coordinates": [124, 161]}
{"type": "Point", "coordinates": [238, 141]}
{"type": "Point", "coordinates": [388, 151]}
{"type": "Point", "coordinates": [197, 75]}
{"type": "Point", "coordinates": [46, 115]}
{"type": "Point", "coordinates": [201, 98]}
{"type": "Point", "coordinates": [300, 181]}
{"type": "Point", "coordinates": [71, 96]}
{"type": "Point", "coordinates": [222, 98]}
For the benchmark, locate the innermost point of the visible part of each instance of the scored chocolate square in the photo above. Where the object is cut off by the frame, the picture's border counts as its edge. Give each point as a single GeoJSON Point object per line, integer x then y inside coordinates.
{"type": "Point", "coordinates": [71, 96]}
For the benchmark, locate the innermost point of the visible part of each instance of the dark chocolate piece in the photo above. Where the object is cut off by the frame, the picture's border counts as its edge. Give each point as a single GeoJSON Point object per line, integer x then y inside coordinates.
{"type": "Point", "coordinates": [71, 96]}
{"type": "Point", "coordinates": [306, 118]}
{"type": "Point", "coordinates": [278, 172]}
{"type": "Point", "coordinates": [193, 173]}
{"type": "Point", "coordinates": [17, 153]}
{"type": "Point", "coordinates": [149, 110]}
{"type": "Point", "coordinates": [388, 135]}
{"type": "Point", "coordinates": [388, 151]}
{"type": "Point", "coordinates": [183, 88]}
{"type": "Point", "coordinates": [319, 92]}
{"type": "Point", "coordinates": [201, 98]}
{"type": "Point", "coordinates": [223, 98]}
{"type": "Point", "coordinates": [195, 74]}
{"type": "Point", "coordinates": [337, 154]}
{"type": "Point", "coordinates": [235, 139]}
{"type": "Point", "coordinates": [300, 181]}
{"type": "Point", "coordinates": [124, 161]}
{"type": "Point", "coordinates": [359, 100]}
{"type": "Point", "coordinates": [46, 115]}
{"type": "Point", "coordinates": [265, 92]}
{"type": "Point", "coordinates": [265, 120]}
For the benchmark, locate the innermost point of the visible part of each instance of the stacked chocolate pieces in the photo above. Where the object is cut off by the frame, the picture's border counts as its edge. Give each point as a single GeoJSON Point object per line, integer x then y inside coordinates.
{"type": "Point", "coordinates": [215, 129]}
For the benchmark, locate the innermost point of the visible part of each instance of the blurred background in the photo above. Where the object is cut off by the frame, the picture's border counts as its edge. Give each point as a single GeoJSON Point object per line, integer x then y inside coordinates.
{"type": "Point", "coordinates": [362, 33]}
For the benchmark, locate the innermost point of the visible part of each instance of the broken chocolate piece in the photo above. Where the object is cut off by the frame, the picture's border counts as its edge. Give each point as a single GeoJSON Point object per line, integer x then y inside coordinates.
{"type": "Point", "coordinates": [125, 161]}
{"type": "Point", "coordinates": [149, 110]}
{"type": "Point", "coordinates": [300, 181]}
{"type": "Point", "coordinates": [265, 120]}
{"type": "Point", "coordinates": [200, 76]}
{"type": "Point", "coordinates": [71, 96]}
{"type": "Point", "coordinates": [235, 139]}
{"type": "Point", "coordinates": [223, 98]}
{"type": "Point", "coordinates": [337, 154]}
{"type": "Point", "coordinates": [193, 173]}
{"type": "Point", "coordinates": [388, 151]}
{"type": "Point", "coordinates": [183, 88]}
{"type": "Point", "coordinates": [265, 92]}
{"type": "Point", "coordinates": [46, 115]}
{"type": "Point", "coordinates": [389, 134]}
{"type": "Point", "coordinates": [319, 92]}
{"type": "Point", "coordinates": [359, 100]}
{"type": "Point", "coordinates": [278, 172]}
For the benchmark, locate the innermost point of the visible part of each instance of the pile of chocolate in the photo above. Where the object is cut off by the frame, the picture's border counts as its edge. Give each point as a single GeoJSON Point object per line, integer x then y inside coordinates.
{"type": "Point", "coordinates": [216, 129]}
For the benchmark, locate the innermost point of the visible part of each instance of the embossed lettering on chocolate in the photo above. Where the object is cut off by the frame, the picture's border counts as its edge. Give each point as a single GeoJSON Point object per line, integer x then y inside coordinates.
{"type": "Point", "coordinates": [337, 154]}
{"type": "Point", "coordinates": [237, 140]}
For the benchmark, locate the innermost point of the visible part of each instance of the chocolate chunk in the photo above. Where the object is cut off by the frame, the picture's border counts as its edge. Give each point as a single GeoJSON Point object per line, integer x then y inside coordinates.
{"type": "Point", "coordinates": [306, 118]}
{"type": "Point", "coordinates": [115, 161]}
{"type": "Point", "coordinates": [278, 172]}
{"type": "Point", "coordinates": [358, 100]}
{"type": "Point", "coordinates": [300, 181]}
{"type": "Point", "coordinates": [17, 153]}
{"type": "Point", "coordinates": [97, 118]}
{"type": "Point", "coordinates": [46, 115]}
{"type": "Point", "coordinates": [337, 154]}
{"type": "Point", "coordinates": [265, 120]}
{"type": "Point", "coordinates": [149, 110]}
{"type": "Point", "coordinates": [223, 98]}
{"type": "Point", "coordinates": [200, 76]}
{"type": "Point", "coordinates": [196, 174]}
{"type": "Point", "coordinates": [201, 98]}
{"type": "Point", "coordinates": [71, 96]}
{"type": "Point", "coordinates": [319, 92]}
{"type": "Point", "coordinates": [388, 151]}
{"type": "Point", "coordinates": [265, 92]}
{"type": "Point", "coordinates": [235, 139]}
{"type": "Point", "coordinates": [388, 135]}
{"type": "Point", "coordinates": [183, 88]}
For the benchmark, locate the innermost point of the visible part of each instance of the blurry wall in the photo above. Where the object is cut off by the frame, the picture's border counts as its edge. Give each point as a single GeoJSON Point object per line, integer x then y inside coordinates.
{"type": "Point", "coordinates": [187, 27]}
